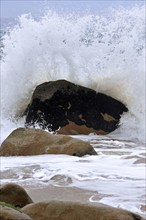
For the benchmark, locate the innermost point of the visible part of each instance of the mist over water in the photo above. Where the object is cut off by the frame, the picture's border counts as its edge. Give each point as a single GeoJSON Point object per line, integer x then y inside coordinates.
{"type": "Point", "coordinates": [102, 52]}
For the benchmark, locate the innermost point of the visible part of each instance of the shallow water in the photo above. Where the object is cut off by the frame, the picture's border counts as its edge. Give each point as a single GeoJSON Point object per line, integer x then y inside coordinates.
{"type": "Point", "coordinates": [117, 173]}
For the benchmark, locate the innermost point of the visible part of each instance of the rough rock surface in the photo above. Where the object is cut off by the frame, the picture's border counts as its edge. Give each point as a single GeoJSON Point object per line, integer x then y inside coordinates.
{"type": "Point", "coordinates": [59, 210]}
{"type": "Point", "coordinates": [31, 141]}
{"type": "Point", "coordinates": [73, 109]}
{"type": "Point", "coordinates": [7, 213]}
{"type": "Point", "coordinates": [14, 194]}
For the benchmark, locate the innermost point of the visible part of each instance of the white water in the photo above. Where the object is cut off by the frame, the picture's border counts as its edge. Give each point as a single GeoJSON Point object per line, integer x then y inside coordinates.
{"type": "Point", "coordinates": [103, 53]}
{"type": "Point", "coordinates": [116, 175]}
{"type": "Point", "coordinates": [106, 53]}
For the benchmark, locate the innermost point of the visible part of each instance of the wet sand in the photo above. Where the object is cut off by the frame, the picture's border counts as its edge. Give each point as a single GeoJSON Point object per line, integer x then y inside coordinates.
{"type": "Point", "coordinates": [62, 193]}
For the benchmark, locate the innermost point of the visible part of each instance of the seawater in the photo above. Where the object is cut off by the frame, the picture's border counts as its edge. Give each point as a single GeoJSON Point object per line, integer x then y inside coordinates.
{"type": "Point", "coordinates": [116, 175]}
{"type": "Point", "coordinates": [103, 52]}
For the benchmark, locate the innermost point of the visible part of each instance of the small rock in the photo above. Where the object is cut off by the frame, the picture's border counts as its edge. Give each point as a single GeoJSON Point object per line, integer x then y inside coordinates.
{"type": "Point", "coordinates": [61, 180]}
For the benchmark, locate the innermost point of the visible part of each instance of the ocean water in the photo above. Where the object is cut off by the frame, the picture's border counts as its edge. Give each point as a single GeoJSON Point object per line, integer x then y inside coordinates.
{"type": "Point", "coordinates": [103, 52]}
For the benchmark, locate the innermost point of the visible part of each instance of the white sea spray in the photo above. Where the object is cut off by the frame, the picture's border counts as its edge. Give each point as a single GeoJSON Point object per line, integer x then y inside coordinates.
{"type": "Point", "coordinates": [105, 53]}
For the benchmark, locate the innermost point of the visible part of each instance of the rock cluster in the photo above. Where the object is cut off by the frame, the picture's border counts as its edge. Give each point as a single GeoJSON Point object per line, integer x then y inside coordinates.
{"type": "Point", "coordinates": [62, 107]}
{"type": "Point", "coordinates": [58, 210]}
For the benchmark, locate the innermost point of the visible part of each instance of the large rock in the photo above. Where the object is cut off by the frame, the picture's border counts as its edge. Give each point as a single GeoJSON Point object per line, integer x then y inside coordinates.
{"type": "Point", "coordinates": [59, 210]}
{"type": "Point", "coordinates": [73, 109]}
{"type": "Point", "coordinates": [7, 213]}
{"type": "Point", "coordinates": [31, 141]}
{"type": "Point", "coordinates": [14, 194]}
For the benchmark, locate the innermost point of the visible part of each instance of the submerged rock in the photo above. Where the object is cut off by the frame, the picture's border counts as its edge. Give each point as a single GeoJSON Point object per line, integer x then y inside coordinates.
{"type": "Point", "coordinates": [31, 141]}
{"type": "Point", "coordinates": [65, 210]}
{"type": "Point", "coordinates": [73, 109]}
{"type": "Point", "coordinates": [14, 194]}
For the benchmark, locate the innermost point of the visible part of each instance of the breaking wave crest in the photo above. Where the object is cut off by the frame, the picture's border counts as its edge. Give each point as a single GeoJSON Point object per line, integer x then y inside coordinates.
{"type": "Point", "coordinates": [105, 53]}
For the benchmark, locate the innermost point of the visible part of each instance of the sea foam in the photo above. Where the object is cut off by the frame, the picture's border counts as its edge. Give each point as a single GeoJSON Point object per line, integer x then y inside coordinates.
{"type": "Point", "coordinates": [102, 52]}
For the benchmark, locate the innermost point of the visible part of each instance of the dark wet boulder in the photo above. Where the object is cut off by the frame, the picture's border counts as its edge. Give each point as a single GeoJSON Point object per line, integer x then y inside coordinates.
{"type": "Point", "coordinates": [73, 109]}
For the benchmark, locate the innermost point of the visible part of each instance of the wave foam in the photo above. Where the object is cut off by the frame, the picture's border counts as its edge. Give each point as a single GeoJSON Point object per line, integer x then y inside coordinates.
{"type": "Point", "coordinates": [105, 53]}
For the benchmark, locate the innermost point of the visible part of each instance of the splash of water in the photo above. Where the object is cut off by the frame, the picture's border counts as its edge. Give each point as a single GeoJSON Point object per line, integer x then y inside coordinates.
{"type": "Point", "coordinates": [105, 53]}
